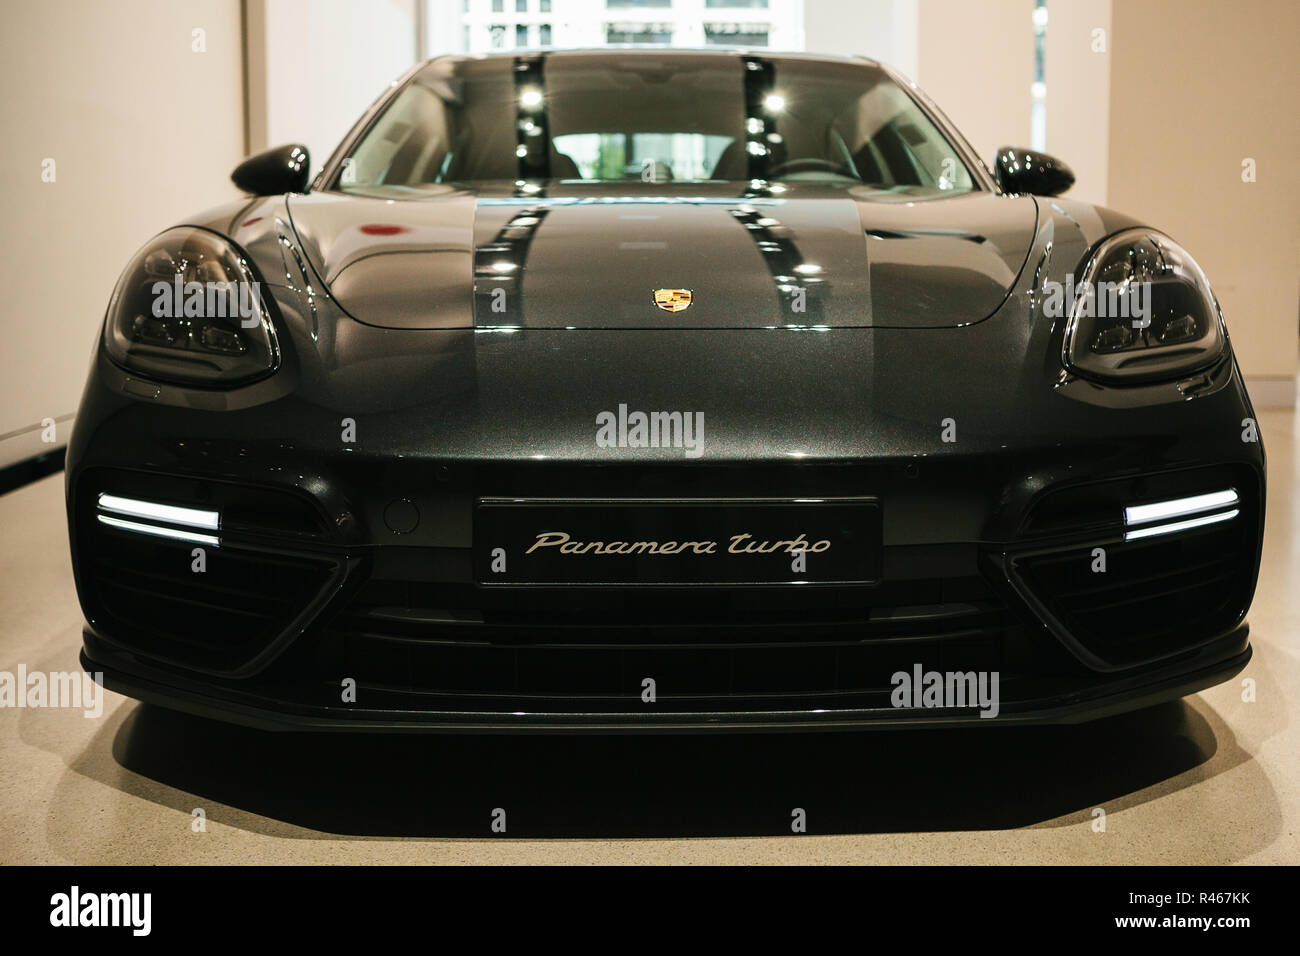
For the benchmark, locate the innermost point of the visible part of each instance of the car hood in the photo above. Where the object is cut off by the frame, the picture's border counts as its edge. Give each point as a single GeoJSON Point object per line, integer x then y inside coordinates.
{"type": "Point", "coordinates": [588, 256]}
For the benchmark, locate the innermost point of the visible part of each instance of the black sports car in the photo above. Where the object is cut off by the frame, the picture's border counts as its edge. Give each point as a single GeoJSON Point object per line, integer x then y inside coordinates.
{"type": "Point", "coordinates": [633, 389]}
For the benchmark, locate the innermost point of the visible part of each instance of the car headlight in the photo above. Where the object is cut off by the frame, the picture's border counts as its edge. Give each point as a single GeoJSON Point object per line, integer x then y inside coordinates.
{"type": "Point", "coordinates": [188, 310]}
{"type": "Point", "coordinates": [1143, 310]}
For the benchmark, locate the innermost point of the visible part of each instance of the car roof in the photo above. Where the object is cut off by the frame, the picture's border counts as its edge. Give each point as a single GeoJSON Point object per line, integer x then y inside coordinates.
{"type": "Point", "coordinates": [619, 49]}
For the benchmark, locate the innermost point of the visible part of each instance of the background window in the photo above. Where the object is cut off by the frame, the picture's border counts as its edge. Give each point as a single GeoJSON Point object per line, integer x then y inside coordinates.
{"type": "Point", "coordinates": [1038, 111]}
{"type": "Point", "coordinates": [638, 33]}
{"type": "Point", "coordinates": [735, 34]}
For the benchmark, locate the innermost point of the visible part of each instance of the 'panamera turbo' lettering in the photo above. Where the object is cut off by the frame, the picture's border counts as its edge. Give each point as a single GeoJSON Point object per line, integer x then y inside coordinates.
{"type": "Point", "coordinates": [743, 543]}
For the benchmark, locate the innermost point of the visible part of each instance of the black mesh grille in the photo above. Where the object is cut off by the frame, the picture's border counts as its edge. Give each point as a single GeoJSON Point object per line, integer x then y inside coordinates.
{"type": "Point", "coordinates": [1158, 596]}
{"type": "Point", "coordinates": [484, 649]}
{"type": "Point", "coordinates": [142, 593]}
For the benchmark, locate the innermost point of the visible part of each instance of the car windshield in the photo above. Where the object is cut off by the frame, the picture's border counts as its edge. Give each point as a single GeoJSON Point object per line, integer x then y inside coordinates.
{"type": "Point", "coordinates": [684, 117]}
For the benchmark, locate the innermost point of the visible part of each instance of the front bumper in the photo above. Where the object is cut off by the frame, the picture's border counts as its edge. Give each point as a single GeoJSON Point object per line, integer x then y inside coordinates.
{"type": "Point", "coordinates": [250, 710]}
{"type": "Point", "coordinates": [269, 631]}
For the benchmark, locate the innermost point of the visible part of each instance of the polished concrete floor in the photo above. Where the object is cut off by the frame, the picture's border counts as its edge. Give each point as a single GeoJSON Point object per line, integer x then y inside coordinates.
{"type": "Point", "coordinates": [1210, 779]}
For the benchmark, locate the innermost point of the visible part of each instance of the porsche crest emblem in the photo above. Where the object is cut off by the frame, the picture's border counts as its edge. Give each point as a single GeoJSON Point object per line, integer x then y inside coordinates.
{"type": "Point", "coordinates": [673, 300]}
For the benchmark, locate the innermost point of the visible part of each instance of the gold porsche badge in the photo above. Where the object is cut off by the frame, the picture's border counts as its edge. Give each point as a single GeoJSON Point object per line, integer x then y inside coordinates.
{"type": "Point", "coordinates": [673, 300]}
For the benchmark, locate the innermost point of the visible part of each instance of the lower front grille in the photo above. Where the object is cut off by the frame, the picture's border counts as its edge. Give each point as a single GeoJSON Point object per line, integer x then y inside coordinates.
{"type": "Point", "coordinates": [1157, 596]}
{"type": "Point", "coordinates": [1126, 599]}
{"type": "Point", "coordinates": [144, 593]}
{"type": "Point", "coordinates": [541, 650]}
{"type": "Point", "coordinates": [168, 570]}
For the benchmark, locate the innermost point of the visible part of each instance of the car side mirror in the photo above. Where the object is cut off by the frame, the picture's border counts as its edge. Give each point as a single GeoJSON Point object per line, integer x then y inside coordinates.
{"type": "Point", "coordinates": [1022, 170]}
{"type": "Point", "coordinates": [273, 172]}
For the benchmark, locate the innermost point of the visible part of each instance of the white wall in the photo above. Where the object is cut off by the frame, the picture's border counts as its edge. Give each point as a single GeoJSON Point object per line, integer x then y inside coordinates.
{"type": "Point", "coordinates": [315, 65]}
{"type": "Point", "coordinates": [444, 30]}
{"type": "Point", "coordinates": [884, 30]}
{"type": "Point", "coordinates": [143, 131]}
{"type": "Point", "coordinates": [977, 61]}
{"type": "Point", "coordinates": [1077, 73]}
{"type": "Point", "coordinates": [1193, 93]}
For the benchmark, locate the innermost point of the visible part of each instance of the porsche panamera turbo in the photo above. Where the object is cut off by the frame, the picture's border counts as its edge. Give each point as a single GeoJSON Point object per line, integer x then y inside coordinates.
{"type": "Point", "coordinates": [330, 514]}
